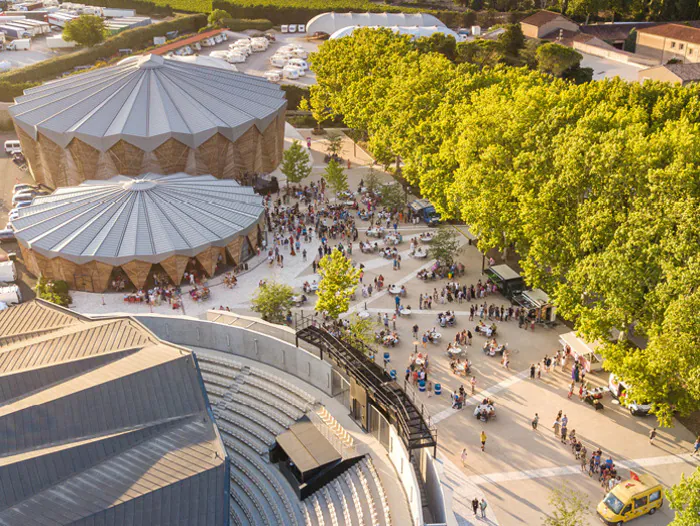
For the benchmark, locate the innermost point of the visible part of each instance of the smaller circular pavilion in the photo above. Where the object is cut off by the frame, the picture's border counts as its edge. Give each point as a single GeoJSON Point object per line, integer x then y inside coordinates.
{"type": "Point", "coordinates": [90, 234]}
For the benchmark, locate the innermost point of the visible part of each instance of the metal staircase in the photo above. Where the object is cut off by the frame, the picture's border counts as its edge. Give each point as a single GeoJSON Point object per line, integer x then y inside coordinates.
{"type": "Point", "coordinates": [385, 392]}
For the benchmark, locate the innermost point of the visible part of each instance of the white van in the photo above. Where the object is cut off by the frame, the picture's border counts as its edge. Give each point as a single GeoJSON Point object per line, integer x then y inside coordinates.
{"type": "Point", "coordinates": [10, 295]}
{"type": "Point", "coordinates": [12, 147]}
{"type": "Point", "coordinates": [618, 389]}
{"type": "Point", "coordinates": [284, 29]}
{"type": "Point", "coordinates": [258, 46]}
{"type": "Point", "coordinates": [292, 28]}
{"type": "Point", "coordinates": [273, 76]}
{"type": "Point", "coordinates": [277, 61]}
{"type": "Point", "coordinates": [235, 57]}
{"type": "Point", "coordinates": [300, 52]}
{"type": "Point", "coordinates": [300, 63]}
{"type": "Point", "coordinates": [291, 72]}
{"type": "Point", "coordinates": [218, 38]}
{"type": "Point", "coordinates": [301, 28]}
{"type": "Point", "coordinates": [8, 272]}
{"type": "Point", "coordinates": [208, 42]}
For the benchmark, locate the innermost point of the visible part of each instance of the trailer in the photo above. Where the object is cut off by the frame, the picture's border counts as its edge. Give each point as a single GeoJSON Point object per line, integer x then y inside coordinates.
{"type": "Point", "coordinates": [57, 42]}
{"type": "Point", "coordinates": [42, 27]}
{"type": "Point", "coordinates": [32, 29]}
{"type": "Point", "coordinates": [111, 12]}
{"type": "Point", "coordinates": [59, 19]}
{"type": "Point", "coordinates": [15, 32]}
{"type": "Point", "coordinates": [42, 15]}
{"type": "Point", "coordinates": [10, 295]}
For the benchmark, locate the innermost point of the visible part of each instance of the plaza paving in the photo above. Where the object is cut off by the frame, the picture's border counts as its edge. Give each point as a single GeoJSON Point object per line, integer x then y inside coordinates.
{"type": "Point", "coordinates": [520, 466]}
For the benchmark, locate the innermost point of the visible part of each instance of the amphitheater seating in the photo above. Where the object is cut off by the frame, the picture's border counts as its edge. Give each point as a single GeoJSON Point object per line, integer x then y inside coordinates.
{"type": "Point", "coordinates": [251, 407]}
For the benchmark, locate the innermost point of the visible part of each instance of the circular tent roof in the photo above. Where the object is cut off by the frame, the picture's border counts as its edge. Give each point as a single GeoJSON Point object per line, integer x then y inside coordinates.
{"type": "Point", "coordinates": [149, 218]}
{"type": "Point", "coordinates": [332, 22]}
{"type": "Point", "coordinates": [413, 31]}
{"type": "Point", "coordinates": [145, 100]}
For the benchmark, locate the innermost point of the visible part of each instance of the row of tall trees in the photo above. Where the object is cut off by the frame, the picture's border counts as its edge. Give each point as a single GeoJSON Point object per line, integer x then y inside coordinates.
{"type": "Point", "coordinates": [595, 185]}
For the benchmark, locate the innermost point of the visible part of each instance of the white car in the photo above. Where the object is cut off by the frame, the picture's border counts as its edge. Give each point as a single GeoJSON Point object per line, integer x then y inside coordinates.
{"type": "Point", "coordinates": [12, 147]}
{"type": "Point", "coordinates": [300, 63]}
{"type": "Point", "coordinates": [22, 188]}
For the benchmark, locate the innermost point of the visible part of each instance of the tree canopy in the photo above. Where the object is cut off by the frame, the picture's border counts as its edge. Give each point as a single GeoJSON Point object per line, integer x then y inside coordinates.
{"type": "Point", "coordinates": [272, 301]}
{"type": "Point", "coordinates": [86, 30]}
{"type": "Point", "coordinates": [336, 177]}
{"type": "Point", "coordinates": [684, 499]}
{"type": "Point", "coordinates": [595, 185]}
{"type": "Point", "coordinates": [339, 280]}
{"type": "Point", "coordinates": [295, 163]}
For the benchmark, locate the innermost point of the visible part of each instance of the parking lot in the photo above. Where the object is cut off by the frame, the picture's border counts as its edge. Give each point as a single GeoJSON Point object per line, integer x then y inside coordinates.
{"type": "Point", "coordinates": [258, 63]}
{"type": "Point", "coordinates": [38, 52]}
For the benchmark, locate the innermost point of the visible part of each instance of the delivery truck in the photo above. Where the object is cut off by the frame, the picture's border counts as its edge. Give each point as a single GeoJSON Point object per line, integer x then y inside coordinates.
{"type": "Point", "coordinates": [111, 12]}
{"type": "Point", "coordinates": [57, 42]}
{"type": "Point", "coordinates": [425, 211]}
{"type": "Point", "coordinates": [20, 44]}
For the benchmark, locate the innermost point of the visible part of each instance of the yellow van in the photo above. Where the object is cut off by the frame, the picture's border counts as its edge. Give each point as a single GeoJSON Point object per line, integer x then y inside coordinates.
{"type": "Point", "coordinates": [631, 499]}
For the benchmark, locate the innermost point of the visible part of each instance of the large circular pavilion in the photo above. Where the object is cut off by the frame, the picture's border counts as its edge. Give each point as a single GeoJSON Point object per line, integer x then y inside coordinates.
{"type": "Point", "coordinates": [88, 234]}
{"type": "Point", "coordinates": [150, 114]}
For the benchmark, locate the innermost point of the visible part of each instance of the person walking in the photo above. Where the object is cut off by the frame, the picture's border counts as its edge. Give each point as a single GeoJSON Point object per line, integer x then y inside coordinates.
{"type": "Point", "coordinates": [556, 426]}
{"type": "Point", "coordinates": [473, 382]}
{"type": "Point", "coordinates": [483, 506]}
{"type": "Point", "coordinates": [483, 441]}
{"type": "Point", "coordinates": [652, 436]}
{"type": "Point", "coordinates": [532, 371]}
{"type": "Point", "coordinates": [696, 446]}
{"type": "Point", "coordinates": [475, 505]}
{"type": "Point", "coordinates": [464, 457]}
{"type": "Point", "coordinates": [563, 432]}
{"type": "Point", "coordinates": [415, 331]}
{"type": "Point", "coordinates": [535, 421]}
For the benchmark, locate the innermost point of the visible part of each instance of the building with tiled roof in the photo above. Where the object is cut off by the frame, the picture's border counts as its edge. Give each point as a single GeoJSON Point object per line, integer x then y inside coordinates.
{"type": "Point", "coordinates": [674, 73]}
{"type": "Point", "coordinates": [544, 23]}
{"type": "Point", "coordinates": [103, 423]}
{"type": "Point", "coordinates": [669, 41]}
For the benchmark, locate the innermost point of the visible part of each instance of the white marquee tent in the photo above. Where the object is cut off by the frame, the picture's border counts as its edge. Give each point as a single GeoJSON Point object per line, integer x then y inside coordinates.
{"type": "Point", "coordinates": [332, 22]}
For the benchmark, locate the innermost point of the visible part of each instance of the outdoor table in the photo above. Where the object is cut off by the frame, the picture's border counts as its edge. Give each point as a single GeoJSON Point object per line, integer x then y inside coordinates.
{"type": "Point", "coordinates": [420, 361]}
{"type": "Point", "coordinates": [374, 232]}
{"type": "Point", "coordinates": [461, 368]}
{"type": "Point", "coordinates": [392, 239]}
{"type": "Point", "coordinates": [313, 287]}
{"type": "Point", "coordinates": [454, 350]}
{"type": "Point", "coordinates": [435, 336]}
{"type": "Point", "coordinates": [394, 290]}
{"type": "Point", "coordinates": [363, 315]}
{"type": "Point", "coordinates": [405, 312]}
{"type": "Point", "coordinates": [420, 254]}
{"type": "Point", "coordinates": [427, 237]}
{"type": "Point", "coordinates": [348, 203]}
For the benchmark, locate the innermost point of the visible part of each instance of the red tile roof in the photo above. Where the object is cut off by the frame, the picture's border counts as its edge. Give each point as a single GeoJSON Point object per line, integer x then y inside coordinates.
{"type": "Point", "coordinates": [674, 31]}
{"type": "Point", "coordinates": [185, 42]}
{"type": "Point", "coordinates": [542, 17]}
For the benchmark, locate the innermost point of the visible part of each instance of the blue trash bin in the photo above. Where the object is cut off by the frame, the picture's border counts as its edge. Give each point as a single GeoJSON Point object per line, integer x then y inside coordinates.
{"type": "Point", "coordinates": [387, 357]}
{"type": "Point", "coordinates": [392, 373]}
{"type": "Point", "coordinates": [438, 389]}
{"type": "Point", "coordinates": [421, 386]}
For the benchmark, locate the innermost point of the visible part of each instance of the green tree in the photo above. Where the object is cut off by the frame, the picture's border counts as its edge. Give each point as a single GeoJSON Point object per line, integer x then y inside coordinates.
{"type": "Point", "coordinates": [361, 330]}
{"type": "Point", "coordinates": [480, 52]}
{"type": "Point", "coordinates": [512, 40]}
{"type": "Point", "coordinates": [569, 508]}
{"type": "Point", "coordinates": [528, 54]}
{"type": "Point", "coordinates": [393, 196]}
{"type": "Point", "coordinates": [295, 163]}
{"type": "Point", "coordinates": [86, 30]}
{"type": "Point", "coordinates": [684, 499]}
{"type": "Point", "coordinates": [53, 291]}
{"type": "Point", "coordinates": [335, 145]}
{"type": "Point", "coordinates": [445, 246]}
{"type": "Point", "coordinates": [335, 177]}
{"type": "Point", "coordinates": [438, 43]}
{"type": "Point", "coordinates": [272, 301]}
{"type": "Point", "coordinates": [216, 17]}
{"type": "Point", "coordinates": [631, 41]}
{"type": "Point", "coordinates": [588, 7]}
{"type": "Point", "coordinates": [555, 59]}
{"type": "Point", "coordinates": [372, 181]}
{"type": "Point", "coordinates": [339, 280]}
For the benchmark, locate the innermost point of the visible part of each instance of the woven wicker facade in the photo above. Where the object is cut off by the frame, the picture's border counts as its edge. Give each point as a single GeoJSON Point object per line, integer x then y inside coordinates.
{"type": "Point", "coordinates": [89, 234]}
{"type": "Point", "coordinates": [150, 115]}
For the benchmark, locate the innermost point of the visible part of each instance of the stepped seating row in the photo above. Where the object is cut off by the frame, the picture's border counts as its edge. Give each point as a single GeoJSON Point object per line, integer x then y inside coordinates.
{"type": "Point", "coordinates": [236, 433]}
{"type": "Point", "coordinates": [270, 474]}
{"type": "Point", "coordinates": [247, 426]}
{"type": "Point", "coordinates": [251, 493]}
{"type": "Point", "coordinates": [330, 505]}
{"type": "Point", "coordinates": [340, 495]}
{"type": "Point", "coordinates": [347, 479]}
{"type": "Point", "coordinates": [239, 511]}
{"type": "Point", "coordinates": [261, 420]}
{"type": "Point", "coordinates": [269, 411]}
{"type": "Point", "coordinates": [279, 382]}
{"type": "Point", "coordinates": [334, 426]}
{"type": "Point", "coordinates": [292, 411]}
{"type": "Point", "coordinates": [380, 489]}
{"type": "Point", "coordinates": [247, 475]}
{"type": "Point", "coordinates": [219, 360]}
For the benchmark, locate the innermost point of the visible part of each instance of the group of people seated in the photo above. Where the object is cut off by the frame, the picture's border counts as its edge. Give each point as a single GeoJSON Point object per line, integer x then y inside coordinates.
{"type": "Point", "coordinates": [308, 288]}
{"type": "Point", "coordinates": [485, 330]}
{"type": "Point", "coordinates": [393, 239]}
{"type": "Point", "coordinates": [389, 253]}
{"type": "Point", "coordinates": [230, 280]}
{"type": "Point", "coordinates": [399, 291]}
{"type": "Point", "coordinates": [460, 367]}
{"type": "Point", "coordinates": [432, 336]}
{"type": "Point", "coordinates": [492, 348]}
{"type": "Point", "coordinates": [367, 248]}
{"type": "Point", "coordinates": [404, 310]}
{"type": "Point", "coordinates": [485, 410]}
{"type": "Point", "coordinates": [200, 293]}
{"type": "Point", "coordinates": [387, 338]}
{"type": "Point", "coordinates": [426, 274]}
{"type": "Point", "coordinates": [119, 283]}
{"type": "Point", "coordinates": [446, 319]}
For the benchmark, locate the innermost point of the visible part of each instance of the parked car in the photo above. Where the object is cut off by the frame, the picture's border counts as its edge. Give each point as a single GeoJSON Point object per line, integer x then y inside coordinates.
{"type": "Point", "coordinates": [7, 235]}
{"type": "Point", "coordinates": [22, 187]}
{"type": "Point", "coordinates": [618, 388]}
{"type": "Point", "coordinates": [21, 204]}
{"type": "Point", "coordinates": [12, 147]}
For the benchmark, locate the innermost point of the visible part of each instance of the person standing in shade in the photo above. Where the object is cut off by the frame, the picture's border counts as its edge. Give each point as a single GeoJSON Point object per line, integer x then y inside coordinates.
{"type": "Point", "coordinates": [535, 421]}
{"type": "Point", "coordinates": [475, 505]}
{"type": "Point", "coordinates": [464, 457]}
{"type": "Point", "coordinates": [473, 382]}
{"type": "Point", "coordinates": [556, 426]}
{"type": "Point", "coordinates": [532, 371]}
{"type": "Point", "coordinates": [483, 441]}
{"type": "Point", "coordinates": [696, 446]}
{"type": "Point", "coordinates": [652, 436]}
{"type": "Point", "coordinates": [483, 505]}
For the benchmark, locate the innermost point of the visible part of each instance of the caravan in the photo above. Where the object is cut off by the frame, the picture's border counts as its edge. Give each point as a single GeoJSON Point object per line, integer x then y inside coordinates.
{"type": "Point", "coordinates": [10, 295]}
{"type": "Point", "coordinates": [291, 72]}
{"type": "Point", "coordinates": [273, 76]}
{"type": "Point", "coordinates": [299, 63]}
{"type": "Point", "coordinates": [278, 61]}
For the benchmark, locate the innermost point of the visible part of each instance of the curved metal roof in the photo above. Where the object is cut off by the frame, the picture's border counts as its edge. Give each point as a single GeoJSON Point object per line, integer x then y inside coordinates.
{"type": "Point", "coordinates": [148, 218]}
{"type": "Point", "coordinates": [145, 100]}
{"type": "Point", "coordinates": [413, 31]}
{"type": "Point", "coordinates": [332, 22]}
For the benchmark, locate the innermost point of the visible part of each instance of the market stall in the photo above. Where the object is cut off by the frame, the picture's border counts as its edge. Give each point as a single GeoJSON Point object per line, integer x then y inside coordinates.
{"type": "Point", "coordinates": [585, 352]}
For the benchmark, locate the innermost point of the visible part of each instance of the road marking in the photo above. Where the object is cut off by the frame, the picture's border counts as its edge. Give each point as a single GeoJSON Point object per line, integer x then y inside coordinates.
{"type": "Point", "coordinates": [558, 471]}
{"type": "Point", "coordinates": [486, 393]}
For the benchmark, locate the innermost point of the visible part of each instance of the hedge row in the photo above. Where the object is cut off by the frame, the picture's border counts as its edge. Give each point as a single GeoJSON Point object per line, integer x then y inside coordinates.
{"type": "Point", "coordinates": [142, 7]}
{"type": "Point", "coordinates": [241, 24]}
{"type": "Point", "coordinates": [294, 95]}
{"type": "Point", "coordinates": [13, 82]}
{"type": "Point", "coordinates": [301, 11]}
